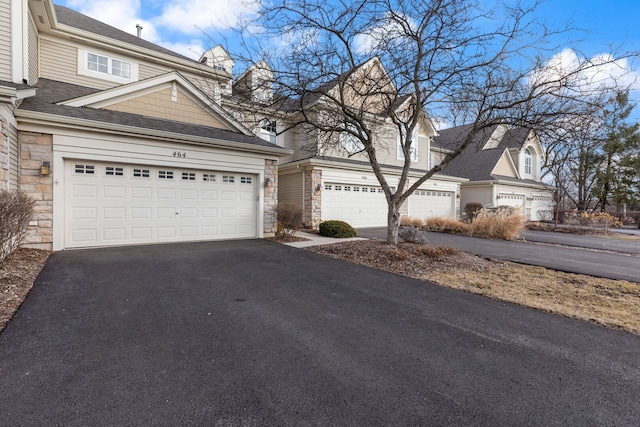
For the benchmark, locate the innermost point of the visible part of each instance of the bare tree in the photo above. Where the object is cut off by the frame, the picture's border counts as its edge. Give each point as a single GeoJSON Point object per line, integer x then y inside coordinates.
{"type": "Point", "coordinates": [451, 58]}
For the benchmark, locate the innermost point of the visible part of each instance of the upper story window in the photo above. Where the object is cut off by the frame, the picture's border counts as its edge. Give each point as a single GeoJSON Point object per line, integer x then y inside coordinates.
{"type": "Point", "coordinates": [414, 146]}
{"type": "Point", "coordinates": [528, 162]}
{"type": "Point", "coordinates": [350, 142]}
{"type": "Point", "coordinates": [104, 66]}
{"type": "Point", "coordinates": [268, 130]}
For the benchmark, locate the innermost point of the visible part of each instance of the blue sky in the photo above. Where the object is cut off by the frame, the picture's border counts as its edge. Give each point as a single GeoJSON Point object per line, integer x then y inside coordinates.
{"type": "Point", "coordinates": [181, 24]}
{"type": "Point", "coordinates": [192, 26]}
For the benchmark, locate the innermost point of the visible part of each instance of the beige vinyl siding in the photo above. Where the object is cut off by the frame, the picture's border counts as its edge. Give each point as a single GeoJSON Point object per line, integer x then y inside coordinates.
{"type": "Point", "coordinates": [34, 66]}
{"type": "Point", "coordinates": [59, 61]}
{"type": "Point", "coordinates": [159, 104]}
{"type": "Point", "coordinates": [5, 40]}
{"type": "Point", "coordinates": [503, 167]}
{"type": "Point", "coordinates": [291, 188]}
{"type": "Point", "coordinates": [304, 143]}
{"type": "Point", "coordinates": [14, 158]}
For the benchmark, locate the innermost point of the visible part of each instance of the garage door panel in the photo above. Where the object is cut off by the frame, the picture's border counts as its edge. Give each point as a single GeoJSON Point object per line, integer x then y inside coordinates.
{"type": "Point", "coordinates": [146, 204]}
{"type": "Point", "coordinates": [141, 192]}
{"type": "Point", "coordinates": [114, 213]}
{"type": "Point", "coordinates": [427, 203]}
{"type": "Point", "coordinates": [84, 191]}
{"type": "Point", "coordinates": [360, 206]}
{"type": "Point", "coordinates": [114, 233]}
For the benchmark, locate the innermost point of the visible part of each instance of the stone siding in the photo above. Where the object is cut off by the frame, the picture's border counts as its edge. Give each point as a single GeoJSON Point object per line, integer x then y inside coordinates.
{"type": "Point", "coordinates": [270, 222]}
{"type": "Point", "coordinates": [4, 154]}
{"type": "Point", "coordinates": [34, 149]}
{"type": "Point", "coordinates": [312, 215]}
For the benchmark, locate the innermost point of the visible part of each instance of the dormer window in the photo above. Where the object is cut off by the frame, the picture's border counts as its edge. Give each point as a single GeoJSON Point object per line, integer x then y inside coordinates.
{"type": "Point", "coordinates": [104, 66]}
{"type": "Point", "coordinates": [528, 162]}
{"type": "Point", "coordinates": [268, 131]}
{"type": "Point", "coordinates": [413, 149]}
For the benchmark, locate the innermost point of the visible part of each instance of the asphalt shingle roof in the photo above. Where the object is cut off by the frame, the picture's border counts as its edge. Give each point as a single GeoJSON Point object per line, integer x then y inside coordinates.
{"type": "Point", "coordinates": [50, 92]}
{"type": "Point", "coordinates": [475, 163]}
{"type": "Point", "coordinates": [77, 20]}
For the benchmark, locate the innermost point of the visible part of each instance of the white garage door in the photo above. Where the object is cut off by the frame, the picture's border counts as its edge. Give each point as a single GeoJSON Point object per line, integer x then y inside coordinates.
{"type": "Point", "coordinates": [360, 206]}
{"type": "Point", "coordinates": [515, 200]}
{"type": "Point", "coordinates": [118, 204]}
{"type": "Point", "coordinates": [428, 203]}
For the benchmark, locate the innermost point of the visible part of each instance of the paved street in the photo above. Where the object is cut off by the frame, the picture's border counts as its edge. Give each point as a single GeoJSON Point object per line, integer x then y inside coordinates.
{"type": "Point", "coordinates": [591, 242]}
{"type": "Point", "coordinates": [254, 333]}
{"type": "Point", "coordinates": [620, 266]}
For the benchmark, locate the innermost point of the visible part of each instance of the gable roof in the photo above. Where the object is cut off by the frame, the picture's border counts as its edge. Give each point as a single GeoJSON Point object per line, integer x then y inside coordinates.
{"type": "Point", "coordinates": [77, 20]}
{"type": "Point", "coordinates": [47, 105]}
{"type": "Point", "coordinates": [110, 96]}
{"type": "Point", "coordinates": [476, 163]}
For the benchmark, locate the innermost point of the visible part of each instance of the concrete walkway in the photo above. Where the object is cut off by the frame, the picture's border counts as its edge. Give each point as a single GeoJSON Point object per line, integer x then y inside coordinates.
{"type": "Point", "coordinates": [314, 239]}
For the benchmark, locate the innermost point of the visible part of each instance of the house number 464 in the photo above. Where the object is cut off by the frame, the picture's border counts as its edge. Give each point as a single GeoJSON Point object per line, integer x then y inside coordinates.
{"type": "Point", "coordinates": [179, 154]}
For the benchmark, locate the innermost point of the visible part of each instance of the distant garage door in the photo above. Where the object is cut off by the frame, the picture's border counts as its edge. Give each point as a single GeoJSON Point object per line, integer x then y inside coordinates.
{"type": "Point", "coordinates": [514, 200]}
{"type": "Point", "coordinates": [109, 204]}
{"type": "Point", "coordinates": [426, 203]}
{"type": "Point", "coordinates": [360, 206]}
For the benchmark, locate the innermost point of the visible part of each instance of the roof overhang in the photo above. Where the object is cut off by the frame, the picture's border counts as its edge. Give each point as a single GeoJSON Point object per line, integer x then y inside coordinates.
{"type": "Point", "coordinates": [318, 162]}
{"type": "Point", "coordinates": [38, 119]}
{"type": "Point", "coordinates": [9, 95]}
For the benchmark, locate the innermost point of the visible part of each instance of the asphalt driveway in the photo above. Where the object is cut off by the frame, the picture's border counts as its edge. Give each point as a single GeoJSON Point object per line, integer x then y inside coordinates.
{"type": "Point", "coordinates": [256, 333]}
{"type": "Point", "coordinates": [594, 261]}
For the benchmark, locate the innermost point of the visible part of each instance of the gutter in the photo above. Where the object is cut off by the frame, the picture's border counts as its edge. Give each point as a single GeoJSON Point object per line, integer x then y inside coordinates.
{"type": "Point", "coordinates": [57, 121]}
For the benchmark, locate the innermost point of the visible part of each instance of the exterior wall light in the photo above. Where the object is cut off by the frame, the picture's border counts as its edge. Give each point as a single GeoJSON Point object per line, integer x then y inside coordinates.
{"type": "Point", "coordinates": [45, 169]}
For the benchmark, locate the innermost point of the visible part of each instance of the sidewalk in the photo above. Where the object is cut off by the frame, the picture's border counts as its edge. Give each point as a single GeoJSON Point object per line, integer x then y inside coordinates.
{"type": "Point", "coordinates": [314, 239]}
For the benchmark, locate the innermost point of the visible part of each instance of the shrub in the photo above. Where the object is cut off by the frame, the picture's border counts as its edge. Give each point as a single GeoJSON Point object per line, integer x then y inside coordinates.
{"type": "Point", "coordinates": [471, 210]}
{"type": "Point", "coordinates": [502, 223]}
{"type": "Point", "coordinates": [336, 228]}
{"type": "Point", "coordinates": [16, 210]}
{"type": "Point", "coordinates": [289, 218]}
{"type": "Point", "coordinates": [438, 252]}
{"type": "Point", "coordinates": [601, 218]}
{"type": "Point", "coordinates": [445, 225]}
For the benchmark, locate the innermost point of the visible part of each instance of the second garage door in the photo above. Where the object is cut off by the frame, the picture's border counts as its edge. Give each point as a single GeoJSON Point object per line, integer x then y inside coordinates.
{"type": "Point", "coordinates": [109, 204]}
{"type": "Point", "coordinates": [426, 203]}
{"type": "Point", "coordinates": [360, 206]}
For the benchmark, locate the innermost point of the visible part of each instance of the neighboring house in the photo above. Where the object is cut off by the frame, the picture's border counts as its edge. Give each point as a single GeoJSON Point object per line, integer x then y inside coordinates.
{"type": "Point", "coordinates": [502, 166]}
{"type": "Point", "coordinates": [121, 141]}
{"type": "Point", "coordinates": [326, 177]}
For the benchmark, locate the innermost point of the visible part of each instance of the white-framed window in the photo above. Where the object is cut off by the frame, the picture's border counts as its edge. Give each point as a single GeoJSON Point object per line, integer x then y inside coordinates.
{"type": "Point", "coordinates": [229, 179]}
{"type": "Point", "coordinates": [414, 146]}
{"type": "Point", "coordinates": [141, 173]}
{"type": "Point", "coordinates": [114, 171]}
{"type": "Point", "coordinates": [106, 67]}
{"type": "Point", "coordinates": [85, 169]}
{"type": "Point", "coordinates": [209, 177]}
{"type": "Point", "coordinates": [528, 162]}
{"type": "Point", "coordinates": [165, 174]}
{"type": "Point", "coordinates": [269, 130]}
{"type": "Point", "coordinates": [245, 180]}
{"type": "Point", "coordinates": [188, 176]}
{"type": "Point", "coordinates": [350, 142]}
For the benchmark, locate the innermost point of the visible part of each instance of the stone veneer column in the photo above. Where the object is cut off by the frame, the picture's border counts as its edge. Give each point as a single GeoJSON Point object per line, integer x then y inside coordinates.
{"type": "Point", "coordinates": [312, 198]}
{"type": "Point", "coordinates": [34, 149]}
{"type": "Point", "coordinates": [270, 197]}
{"type": "Point", "coordinates": [4, 154]}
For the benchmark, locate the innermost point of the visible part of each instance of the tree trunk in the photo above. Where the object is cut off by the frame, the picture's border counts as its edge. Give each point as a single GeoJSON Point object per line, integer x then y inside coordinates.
{"type": "Point", "coordinates": [393, 224]}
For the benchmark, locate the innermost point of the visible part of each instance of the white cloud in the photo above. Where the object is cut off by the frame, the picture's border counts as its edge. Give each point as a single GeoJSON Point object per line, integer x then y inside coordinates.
{"type": "Point", "coordinates": [192, 16]}
{"type": "Point", "coordinates": [591, 75]}
{"type": "Point", "coordinates": [176, 19]}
